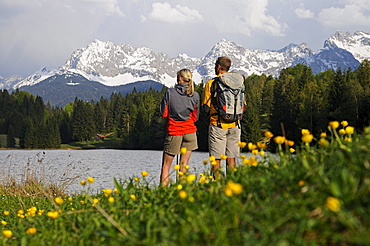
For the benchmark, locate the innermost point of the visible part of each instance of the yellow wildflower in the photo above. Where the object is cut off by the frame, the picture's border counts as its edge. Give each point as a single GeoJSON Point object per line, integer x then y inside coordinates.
{"type": "Point", "coordinates": [183, 194]}
{"type": "Point", "coordinates": [253, 161]}
{"type": "Point", "coordinates": [246, 161]}
{"type": "Point", "coordinates": [255, 152]}
{"type": "Point", "coordinates": [279, 139]}
{"type": "Point", "coordinates": [252, 146]}
{"type": "Point", "coordinates": [179, 187]}
{"type": "Point", "coordinates": [212, 158]}
{"type": "Point", "coordinates": [187, 167]}
{"type": "Point", "coordinates": [213, 163]}
{"type": "Point", "coordinates": [344, 123]}
{"type": "Point", "coordinates": [235, 188]}
{"type": "Point", "coordinates": [301, 182]}
{"type": "Point", "coordinates": [136, 179]}
{"type": "Point", "coordinates": [176, 167]}
{"type": "Point", "coordinates": [323, 143]}
{"type": "Point", "coordinates": [83, 182]}
{"type": "Point", "coordinates": [180, 173]}
{"type": "Point", "coordinates": [333, 204]}
{"type": "Point", "coordinates": [82, 202]}
{"type": "Point", "coordinates": [305, 132]}
{"type": "Point", "coordinates": [228, 191]}
{"type": "Point", "coordinates": [111, 199]}
{"type": "Point", "coordinates": [289, 142]}
{"type": "Point", "coordinates": [223, 157]}
{"type": "Point", "coordinates": [58, 200]}
{"type": "Point", "coordinates": [70, 198]}
{"type": "Point", "coordinates": [191, 199]}
{"type": "Point", "coordinates": [3, 223]}
{"type": "Point", "coordinates": [31, 231]}
{"type": "Point", "coordinates": [52, 214]}
{"type": "Point", "coordinates": [133, 197]}
{"type": "Point", "coordinates": [96, 200]}
{"type": "Point", "coordinates": [323, 135]}
{"type": "Point", "coordinates": [262, 153]}
{"type": "Point", "coordinates": [7, 233]}
{"type": "Point", "coordinates": [350, 130]}
{"type": "Point", "coordinates": [261, 145]}
{"type": "Point", "coordinates": [205, 162]}
{"type": "Point", "coordinates": [342, 131]}
{"type": "Point", "coordinates": [268, 134]}
{"type": "Point", "coordinates": [90, 179]}
{"type": "Point", "coordinates": [190, 178]}
{"type": "Point", "coordinates": [347, 139]}
{"type": "Point", "coordinates": [334, 124]}
{"type": "Point", "coordinates": [291, 150]}
{"type": "Point", "coordinates": [183, 151]}
{"type": "Point", "coordinates": [107, 191]}
{"type": "Point", "coordinates": [6, 213]}
{"type": "Point", "coordinates": [144, 173]}
{"type": "Point", "coordinates": [307, 138]}
{"type": "Point", "coordinates": [202, 180]}
{"type": "Point", "coordinates": [242, 144]}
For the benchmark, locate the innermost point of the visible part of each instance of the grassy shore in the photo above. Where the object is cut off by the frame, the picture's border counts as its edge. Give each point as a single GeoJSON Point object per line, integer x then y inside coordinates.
{"type": "Point", "coordinates": [319, 195]}
{"type": "Point", "coordinates": [108, 143]}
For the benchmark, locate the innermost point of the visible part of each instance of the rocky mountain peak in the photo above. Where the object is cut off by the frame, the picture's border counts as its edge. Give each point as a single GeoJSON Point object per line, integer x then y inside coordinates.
{"type": "Point", "coordinates": [118, 64]}
{"type": "Point", "coordinates": [358, 43]}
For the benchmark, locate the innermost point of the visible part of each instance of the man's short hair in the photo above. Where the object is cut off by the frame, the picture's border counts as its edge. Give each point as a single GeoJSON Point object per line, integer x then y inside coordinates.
{"type": "Point", "coordinates": [224, 62]}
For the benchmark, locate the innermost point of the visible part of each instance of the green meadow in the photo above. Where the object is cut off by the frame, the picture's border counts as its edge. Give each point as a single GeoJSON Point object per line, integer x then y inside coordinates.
{"type": "Point", "coordinates": [317, 193]}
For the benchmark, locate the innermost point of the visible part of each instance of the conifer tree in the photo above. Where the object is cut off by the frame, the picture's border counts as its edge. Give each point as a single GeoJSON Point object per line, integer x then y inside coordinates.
{"type": "Point", "coordinates": [10, 140]}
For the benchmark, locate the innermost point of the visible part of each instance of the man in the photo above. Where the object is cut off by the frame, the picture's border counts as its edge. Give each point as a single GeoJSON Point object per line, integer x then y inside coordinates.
{"type": "Point", "coordinates": [223, 136]}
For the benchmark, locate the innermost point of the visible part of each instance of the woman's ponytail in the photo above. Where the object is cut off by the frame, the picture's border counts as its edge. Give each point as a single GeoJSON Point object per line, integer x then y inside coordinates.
{"type": "Point", "coordinates": [187, 77]}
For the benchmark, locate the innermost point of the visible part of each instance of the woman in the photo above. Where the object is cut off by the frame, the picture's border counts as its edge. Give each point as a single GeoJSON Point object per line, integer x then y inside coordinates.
{"type": "Point", "coordinates": [180, 105]}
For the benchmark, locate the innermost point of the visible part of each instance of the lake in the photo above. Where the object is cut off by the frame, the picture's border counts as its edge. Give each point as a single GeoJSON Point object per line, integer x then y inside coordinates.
{"type": "Point", "coordinates": [102, 164]}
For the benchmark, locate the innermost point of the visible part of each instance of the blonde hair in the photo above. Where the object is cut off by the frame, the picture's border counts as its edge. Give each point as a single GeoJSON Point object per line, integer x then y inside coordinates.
{"type": "Point", "coordinates": [187, 77]}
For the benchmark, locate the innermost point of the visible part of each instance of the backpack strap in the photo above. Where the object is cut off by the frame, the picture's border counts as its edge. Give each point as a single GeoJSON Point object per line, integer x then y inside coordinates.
{"type": "Point", "coordinates": [214, 85]}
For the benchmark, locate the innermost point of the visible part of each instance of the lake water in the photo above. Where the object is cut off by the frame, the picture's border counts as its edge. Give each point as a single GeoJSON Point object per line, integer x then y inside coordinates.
{"type": "Point", "coordinates": [103, 165]}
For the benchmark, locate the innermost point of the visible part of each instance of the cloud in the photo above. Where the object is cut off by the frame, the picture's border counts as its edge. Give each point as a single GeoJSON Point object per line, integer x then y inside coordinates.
{"type": "Point", "coordinates": [177, 15]}
{"type": "Point", "coordinates": [351, 15]}
{"type": "Point", "coordinates": [250, 16]}
{"type": "Point", "coordinates": [303, 13]}
{"type": "Point", "coordinates": [107, 7]}
{"type": "Point", "coordinates": [363, 4]}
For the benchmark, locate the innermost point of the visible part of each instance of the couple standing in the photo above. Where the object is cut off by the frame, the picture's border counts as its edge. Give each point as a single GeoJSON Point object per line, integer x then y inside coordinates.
{"type": "Point", "coordinates": [181, 105]}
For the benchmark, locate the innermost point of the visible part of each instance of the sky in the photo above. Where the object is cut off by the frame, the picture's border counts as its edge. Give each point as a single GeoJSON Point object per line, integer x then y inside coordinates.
{"type": "Point", "coordinates": [44, 33]}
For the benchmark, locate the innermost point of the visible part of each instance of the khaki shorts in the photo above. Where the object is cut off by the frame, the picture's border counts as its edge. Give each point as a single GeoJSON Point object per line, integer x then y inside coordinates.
{"type": "Point", "coordinates": [224, 141]}
{"type": "Point", "coordinates": [173, 143]}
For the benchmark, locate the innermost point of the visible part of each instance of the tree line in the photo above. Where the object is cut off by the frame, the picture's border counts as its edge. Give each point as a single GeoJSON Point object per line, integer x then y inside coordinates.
{"type": "Point", "coordinates": [296, 100]}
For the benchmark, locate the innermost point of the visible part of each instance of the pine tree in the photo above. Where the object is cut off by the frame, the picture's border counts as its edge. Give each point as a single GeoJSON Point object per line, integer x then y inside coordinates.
{"type": "Point", "coordinates": [10, 140]}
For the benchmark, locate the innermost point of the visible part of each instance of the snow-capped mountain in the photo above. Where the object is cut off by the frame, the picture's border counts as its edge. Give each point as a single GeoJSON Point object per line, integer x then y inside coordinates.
{"type": "Point", "coordinates": [37, 77]}
{"type": "Point", "coordinates": [9, 82]}
{"type": "Point", "coordinates": [118, 64]}
{"type": "Point", "coordinates": [357, 44]}
{"type": "Point", "coordinates": [248, 62]}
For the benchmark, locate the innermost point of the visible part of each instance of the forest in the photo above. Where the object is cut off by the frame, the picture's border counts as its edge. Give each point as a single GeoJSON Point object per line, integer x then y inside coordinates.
{"type": "Point", "coordinates": [296, 100]}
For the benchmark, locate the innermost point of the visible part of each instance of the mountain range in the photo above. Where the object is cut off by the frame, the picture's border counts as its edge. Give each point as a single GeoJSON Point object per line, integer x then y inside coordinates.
{"type": "Point", "coordinates": [105, 67]}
